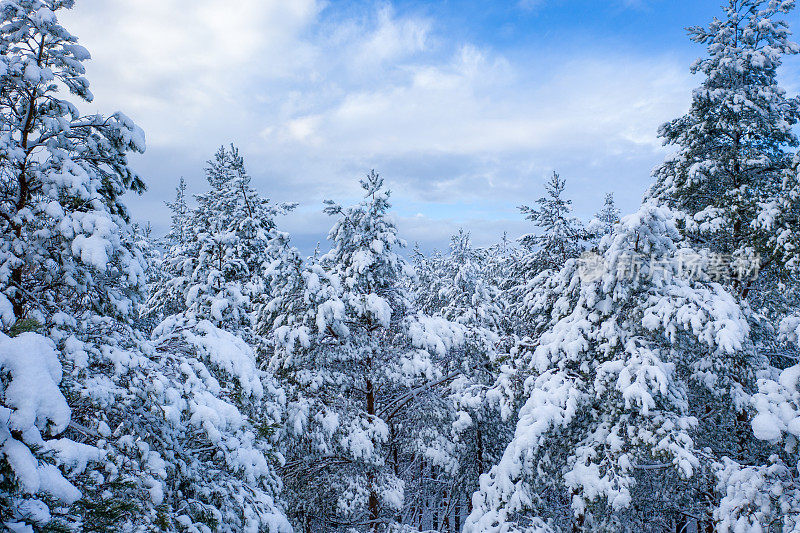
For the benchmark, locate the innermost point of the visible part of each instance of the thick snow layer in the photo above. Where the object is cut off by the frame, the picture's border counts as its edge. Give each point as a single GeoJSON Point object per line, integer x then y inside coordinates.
{"type": "Point", "coordinates": [379, 309]}
{"type": "Point", "coordinates": [230, 353]}
{"type": "Point", "coordinates": [95, 243]}
{"type": "Point", "coordinates": [435, 334]}
{"type": "Point", "coordinates": [33, 394]}
{"type": "Point", "coordinates": [778, 406]}
{"type": "Point", "coordinates": [7, 317]}
{"type": "Point", "coordinates": [32, 404]}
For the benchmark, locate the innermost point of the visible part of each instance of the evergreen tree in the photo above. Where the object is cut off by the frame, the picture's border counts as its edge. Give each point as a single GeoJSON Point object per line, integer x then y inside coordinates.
{"type": "Point", "coordinates": [731, 182]}
{"type": "Point", "coordinates": [609, 389]}
{"type": "Point", "coordinates": [63, 175]}
{"type": "Point", "coordinates": [559, 237]}
{"type": "Point", "coordinates": [145, 242]}
{"type": "Point", "coordinates": [285, 278]}
{"type": "Point", "coordinates": [223, 407]}
{"type": "Point", "coordinates": [733, 144]}
{"type": "Point", "coordinates": [178, 231]}
{"type": "Point", "coordinates": [478, 431]}
{"type": "Point", "coordinates": [428, 284]}
{"type": "Point", "coordinates": [469, 295]}
{"type": "Point", "coordinates": [604, 220]}
{"type": "Point", "coordinates": [219, 263]}
{"type": "Point", "coordinates": [768, 492]}
{"type": "Point", "coordinates": [358, 359]}
{"type": "Point", "coordinates": [71, 275]}
{"type": "Point", "coordinates": [168, 290]}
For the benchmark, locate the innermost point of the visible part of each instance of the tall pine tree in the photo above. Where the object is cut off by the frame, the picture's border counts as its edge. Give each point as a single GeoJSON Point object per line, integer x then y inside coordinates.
{"type": "Point", "coordinates": [357, 360]}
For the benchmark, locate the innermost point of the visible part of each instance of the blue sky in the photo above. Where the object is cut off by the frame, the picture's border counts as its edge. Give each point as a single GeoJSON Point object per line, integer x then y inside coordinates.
{"type": "Point", "coordinates": [464, 106]}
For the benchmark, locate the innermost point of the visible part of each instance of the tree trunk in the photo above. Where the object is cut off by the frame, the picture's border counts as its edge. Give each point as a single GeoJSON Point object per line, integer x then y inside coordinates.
{"type": "Point", "coordinates": [577, 524]}
{"type": "Point", "coordinates": [24, 184]}
{"type": "Point", "coordinates": [446, 506]}
{"type": "Point", "coordinates": [479, 439]}
{"type": "Point", "coordinates": [373, 496]}
{"type": "Point", "coordinates": [420, 499]}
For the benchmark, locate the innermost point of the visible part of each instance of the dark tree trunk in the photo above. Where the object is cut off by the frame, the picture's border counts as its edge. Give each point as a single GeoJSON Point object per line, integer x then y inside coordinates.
{"type": "Point", "coordinates": [373, 496]}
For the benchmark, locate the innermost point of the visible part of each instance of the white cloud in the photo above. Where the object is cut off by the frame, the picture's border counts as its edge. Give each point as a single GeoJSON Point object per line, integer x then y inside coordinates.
{"type": "Point", "coordinates": [484, 110]}
{"type": "Point", "coordinates": [315, 100]}
{"type": "Point", "coordinates": [393, 39]}
{"type": "Point", "coordinates": [177, 65]}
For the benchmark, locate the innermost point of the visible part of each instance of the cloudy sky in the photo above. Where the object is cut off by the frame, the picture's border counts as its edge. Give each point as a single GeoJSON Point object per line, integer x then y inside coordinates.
{"type": "Point", "coordinates": [465, 106]}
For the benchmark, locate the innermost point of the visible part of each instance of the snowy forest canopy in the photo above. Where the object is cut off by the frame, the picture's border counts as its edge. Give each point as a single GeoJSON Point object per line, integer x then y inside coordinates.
{"type": "Point", "coordinates": [634, 373]}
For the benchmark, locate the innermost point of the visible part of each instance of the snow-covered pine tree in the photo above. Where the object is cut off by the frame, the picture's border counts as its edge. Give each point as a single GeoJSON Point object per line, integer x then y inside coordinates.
{"type": "Point", "coordinates": [427, 284]}
{"type": "Point", "coordinates": [206, 432]}
{"type": "Point", "coordinates": [359, 361]}
{"type": "Point", "coordinates": [780, 219]}
{"type": "Point", "coordinates": [167, 292]}
{"type": "Point", "coordinates": [218, 404]}
{"type": "Point", "coordinates": [469, 297]}
{"type": "Point", "coordinates": [434, 491]}
{"type": "Point", "coordinates": [731, 184]}
{"type": "Point", "coordinates": [283, 303]}
{"type": "Point", "coordinates": [559, 237]}
{"type": "Point", "coordinates": [502, 259]}
{"type": "Point", "coordinates": [146, 440]}
{"type": "Point", "coordinates": [301, 298]}
{"type": "Point", "coordinates": [220, 263]}
{"type": "Point", "coordinates": [609, 404]}
{"type": "Point", "coordinates": [478, 432]}
{"type": "Point", "coordinates": [755, 494]}
{"type": "Point", "coordinates": [765, 494]}
{"type": "Point", "coordinates": [70, 272]}
{"type": "Point", "coordinates": [147, 244]}
{"type": "Point", "coordinates": [179, 217]}
{"type": "Point", "coordinates": [63, 175]}
{"type": "Point", "coordinates": [733, 144]}
{"type": "Point", "coordinates": [604, 220]}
